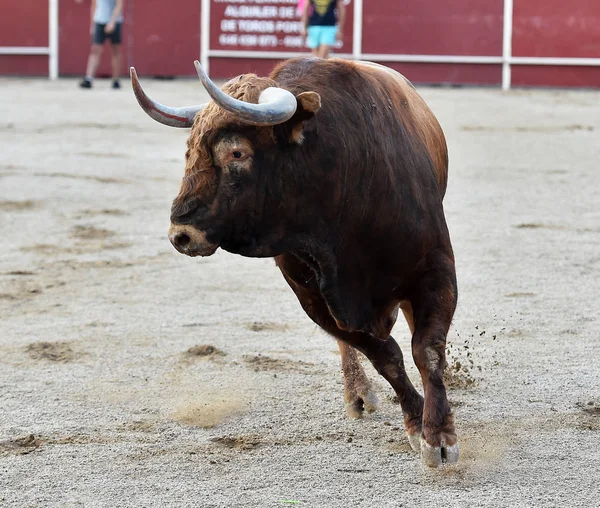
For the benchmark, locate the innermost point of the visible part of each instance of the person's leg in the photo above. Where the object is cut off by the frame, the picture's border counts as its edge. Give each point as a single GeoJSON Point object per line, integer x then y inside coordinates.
{"type": "Point", "coordinates": [115, 47]}
{"type": "Point", "coordinates": [312, 39]}
{"type": "Point", "coordinates": [116, 63]}
{"type": "Point", "coordinates": [98, 38]}
{"type": "Point", "coordinates": [328, 34]}
{"type": "Point", "coordinates": [323, 51]}
{"type": "Point", "coordinates": [94, 60]}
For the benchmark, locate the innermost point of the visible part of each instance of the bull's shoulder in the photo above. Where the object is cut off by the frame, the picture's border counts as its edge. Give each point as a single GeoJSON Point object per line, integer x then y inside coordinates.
{"type": "Point", "coordinates": [420, 119]}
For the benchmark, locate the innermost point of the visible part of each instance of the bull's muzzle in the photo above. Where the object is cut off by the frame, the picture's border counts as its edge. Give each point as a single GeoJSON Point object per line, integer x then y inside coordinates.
{"type": "Point", "coordinates": [190, 241]}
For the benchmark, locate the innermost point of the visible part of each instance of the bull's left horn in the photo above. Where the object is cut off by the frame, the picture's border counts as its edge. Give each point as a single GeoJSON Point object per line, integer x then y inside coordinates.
{"type": "Point", "coordinates": [173, 117]}
{"type": "Point", "coordinates": [275, 105]}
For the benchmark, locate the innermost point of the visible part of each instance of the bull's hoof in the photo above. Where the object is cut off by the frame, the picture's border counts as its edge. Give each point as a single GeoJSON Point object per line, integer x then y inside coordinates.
{"type": "Point", "coordinates": [413, 428]}
{"type": "Point", "coordinates": [415, 441]}
{"type": "Point", "coordinates": [368, 402]}
{"type": "Point", "coordinates": [436, 456]}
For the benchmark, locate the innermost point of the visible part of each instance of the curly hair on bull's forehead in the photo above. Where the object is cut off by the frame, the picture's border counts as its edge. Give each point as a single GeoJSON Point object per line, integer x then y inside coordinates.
{"type": "Point", "coordinates": [247, 88]}
{"type": "Point", "coordinates": [199, 168]}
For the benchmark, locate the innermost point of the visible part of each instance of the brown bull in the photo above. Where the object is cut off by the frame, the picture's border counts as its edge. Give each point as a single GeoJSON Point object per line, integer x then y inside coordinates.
{"type": "Point", "coordinates": [337, 169]}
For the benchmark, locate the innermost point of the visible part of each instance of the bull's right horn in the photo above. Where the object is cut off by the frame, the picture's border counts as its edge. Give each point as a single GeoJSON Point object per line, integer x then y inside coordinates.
{"type": "Point", "coordinates": [173, 117]}
{"type": "Point", "coordinates": [275, 105]}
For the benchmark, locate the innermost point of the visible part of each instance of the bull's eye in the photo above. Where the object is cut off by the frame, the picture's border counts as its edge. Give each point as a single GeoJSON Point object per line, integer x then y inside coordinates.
{"type": "Point", "coordinates": [237, 155]}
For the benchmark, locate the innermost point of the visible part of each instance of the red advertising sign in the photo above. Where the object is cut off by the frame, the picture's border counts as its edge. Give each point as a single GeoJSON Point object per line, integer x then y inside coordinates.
{"type": "Point", "coordinates": [263, 25]}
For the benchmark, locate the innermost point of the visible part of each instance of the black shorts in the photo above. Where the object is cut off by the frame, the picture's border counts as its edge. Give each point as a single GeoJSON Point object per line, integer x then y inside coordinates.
{"type": "Point", "coordinates": [100, 35]}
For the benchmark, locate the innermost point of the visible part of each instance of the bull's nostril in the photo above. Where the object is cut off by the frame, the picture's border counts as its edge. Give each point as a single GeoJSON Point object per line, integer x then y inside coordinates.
{"type": "Point", "coordinates": [181, 240]}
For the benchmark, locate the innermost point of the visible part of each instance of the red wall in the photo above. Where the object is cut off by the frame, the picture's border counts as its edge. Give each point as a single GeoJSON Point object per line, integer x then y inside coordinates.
{"type": "Point", "coordinates": [165, 41]}
{"type": "Point", "coordinates": [161, 40]}
{"type": "Point", "coordinates": [552, 75]}
{"type": "Point", "coordinates": [24, 23]}
{"type": "Point", "coordinates": [442, 73]}
{"type": "Point", "coordinates": [433, 27]}
{"type": "Point", "coordinates": [157, 39]}
{"type": "Point", "coordinates": [556, 28]}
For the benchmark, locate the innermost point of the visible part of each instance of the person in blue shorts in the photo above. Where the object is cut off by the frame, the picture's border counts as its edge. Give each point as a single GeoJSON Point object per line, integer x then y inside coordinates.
{"type": "Point", "coordinates": [107, 18]}
{"type": "Point", "coordinates": [319, 20]}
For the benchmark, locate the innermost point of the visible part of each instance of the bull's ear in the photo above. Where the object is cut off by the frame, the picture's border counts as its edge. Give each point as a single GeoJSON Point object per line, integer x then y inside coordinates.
{"type": "Point", "coordinates": [309, 101]}
{"type": "Point", "coordinates": [308, 105]}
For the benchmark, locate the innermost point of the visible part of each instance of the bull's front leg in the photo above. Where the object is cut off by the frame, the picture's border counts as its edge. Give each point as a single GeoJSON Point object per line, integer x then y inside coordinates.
{"type": "Point", "coordinates": [433, 308]}
{"type": "Point", "coordinates": [358, 392]}
{"type": "Point", "coordinates": [353, 315]}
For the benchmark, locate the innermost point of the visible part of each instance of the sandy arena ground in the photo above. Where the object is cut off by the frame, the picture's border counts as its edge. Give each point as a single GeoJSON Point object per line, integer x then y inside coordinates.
{"type": "Point", "coordinates": [106, 400]}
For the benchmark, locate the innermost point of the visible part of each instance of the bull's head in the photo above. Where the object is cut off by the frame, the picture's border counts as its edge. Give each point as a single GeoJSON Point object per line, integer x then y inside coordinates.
{"type": "Point", "coordinates": [239, 142]}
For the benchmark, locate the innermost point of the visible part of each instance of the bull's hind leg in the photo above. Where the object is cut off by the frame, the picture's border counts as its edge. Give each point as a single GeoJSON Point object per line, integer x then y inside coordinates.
{"type": "Point", "coordinates": [358, 392]}
{"type": "Point", "coordinates": [433, 307]}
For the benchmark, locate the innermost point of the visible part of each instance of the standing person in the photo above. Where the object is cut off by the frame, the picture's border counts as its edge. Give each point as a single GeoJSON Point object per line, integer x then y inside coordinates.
{"type": "Point", "coordinates": [320, 25]}
{"type": "Point", "coordinates": [106, 20]}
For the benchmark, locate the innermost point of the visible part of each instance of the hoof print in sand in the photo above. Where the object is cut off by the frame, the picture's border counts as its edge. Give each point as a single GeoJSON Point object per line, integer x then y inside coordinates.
{"type": "Point", "coordinates": [204, 351]}
{"type": "Point", "coordinates": [60, 352]}
{"type": "Point", "coordinates": [20, 445]}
